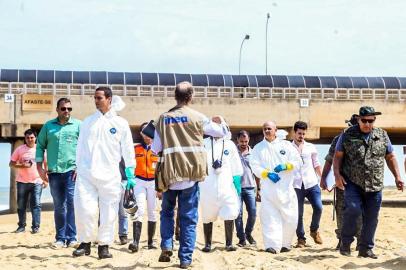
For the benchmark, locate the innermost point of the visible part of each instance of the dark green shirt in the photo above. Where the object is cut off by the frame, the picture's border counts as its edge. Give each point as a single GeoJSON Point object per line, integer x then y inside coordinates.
{"type": "Point", "coordinates": [60, 143]}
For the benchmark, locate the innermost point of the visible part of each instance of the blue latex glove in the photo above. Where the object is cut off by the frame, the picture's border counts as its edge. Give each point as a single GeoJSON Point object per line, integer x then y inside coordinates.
{"type": "Point", "coordinates": [274, 177]}
{"type": "Point", "coordinates": [280, 167]}
{"type": "Point", "coordinates": [237, 184]}
{"type": "Point", "coordinates": [129, 173]}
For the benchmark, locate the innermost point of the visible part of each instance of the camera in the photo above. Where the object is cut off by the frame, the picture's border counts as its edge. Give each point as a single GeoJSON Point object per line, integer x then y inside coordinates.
{"type": "Point", "coordinates": [217, 164]}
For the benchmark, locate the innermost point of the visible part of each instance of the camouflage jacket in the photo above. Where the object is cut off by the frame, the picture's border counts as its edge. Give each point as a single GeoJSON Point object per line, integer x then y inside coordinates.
{"type": "Point", "coordinates": [364, 160]}
{"type": "Point", "coordinates": [330, 155]}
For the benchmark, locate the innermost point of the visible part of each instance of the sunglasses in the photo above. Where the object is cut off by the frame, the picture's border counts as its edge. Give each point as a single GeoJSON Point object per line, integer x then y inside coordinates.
{"type": "Point", "coordinates": [66, 109]}
{"type": "Point", "coordinates": [367, 121]}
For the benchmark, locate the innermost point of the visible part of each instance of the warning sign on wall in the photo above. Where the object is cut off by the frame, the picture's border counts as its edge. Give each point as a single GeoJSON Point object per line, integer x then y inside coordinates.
{"type": "Point", "coordinates": [34, 102]}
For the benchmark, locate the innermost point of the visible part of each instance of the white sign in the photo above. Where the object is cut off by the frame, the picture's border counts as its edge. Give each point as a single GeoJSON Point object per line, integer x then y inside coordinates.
{"type": "Point", "coordinates": [304, 102]}
{"type": "Point", "coordinates": [8, 98]}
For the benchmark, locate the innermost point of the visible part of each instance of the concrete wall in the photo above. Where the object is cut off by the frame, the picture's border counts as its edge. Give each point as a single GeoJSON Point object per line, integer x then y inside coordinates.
{"type": "Point", "coordinates": [325, 118]}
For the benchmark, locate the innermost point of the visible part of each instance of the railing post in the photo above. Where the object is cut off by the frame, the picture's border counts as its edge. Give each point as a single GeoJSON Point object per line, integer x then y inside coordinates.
{"type": "Point", "coordinates": [138, 91]}
{"type": "Point", "coordinates": [218, 92]}
{"type": "Point", "coordinates": [245, 92]}
{"type": "Point", "coordinates": [69, 88]}
{"type": "Point", "coordinates": [232, 92]}
{"type": "Point", "coordinates": [270, 92]}
{"type": "Point", "coordinates": [165, 91]}
{"type": "Point", "coordinates": [152, 91]}
{"type": "Point", "coordinates": [205, 92]}
{"type": "Point", "coordinates": [257, 91]}
{"type": "Point", "coordinates": [283, 93]}
{"type": "Point", "coordinates": [125, 90]}
{"type": "Point", "coordinates": [386, 94]}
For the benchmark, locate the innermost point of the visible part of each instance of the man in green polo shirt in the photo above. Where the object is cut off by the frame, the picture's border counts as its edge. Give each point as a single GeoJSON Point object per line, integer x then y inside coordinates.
{"type": "Point", "coordinates": [58, 137]}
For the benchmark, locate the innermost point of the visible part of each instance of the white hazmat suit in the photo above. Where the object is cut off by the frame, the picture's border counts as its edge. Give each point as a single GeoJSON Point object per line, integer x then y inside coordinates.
{"type": "Point", "coordinates": [103, 140]}
{"type": "Point", "coordinates": [217, 192]}
{"type": "Point", "coordinates": [279, 212]}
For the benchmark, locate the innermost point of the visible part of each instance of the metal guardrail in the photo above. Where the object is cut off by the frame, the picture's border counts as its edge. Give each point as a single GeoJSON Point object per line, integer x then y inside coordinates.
{"type": "Point", "coordinates": [209, 92]}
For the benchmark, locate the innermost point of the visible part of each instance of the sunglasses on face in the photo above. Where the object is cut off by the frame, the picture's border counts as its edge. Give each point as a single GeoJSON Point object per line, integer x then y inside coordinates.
{"type": "Point", "coordinates": [367, 121]}
{"type": "Point", "coordinates": [66, 108]}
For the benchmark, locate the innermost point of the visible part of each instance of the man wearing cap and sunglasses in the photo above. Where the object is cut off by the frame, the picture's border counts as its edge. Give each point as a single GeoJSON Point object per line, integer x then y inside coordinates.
{"type": "Point", "coordinates": [338, 193]}
{"type": "Point", "coordinates": [59, 138]}
{"type": "Point", "coordinates": [359, 162]}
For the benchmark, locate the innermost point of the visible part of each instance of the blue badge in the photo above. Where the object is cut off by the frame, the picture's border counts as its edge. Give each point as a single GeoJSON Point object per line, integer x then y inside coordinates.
{"type": "Point", "coordinates": [282, 152]}
{"type": "Point", "coordinates": [226, 152]}
{"type": "Point", "coordinates": [113, 130]}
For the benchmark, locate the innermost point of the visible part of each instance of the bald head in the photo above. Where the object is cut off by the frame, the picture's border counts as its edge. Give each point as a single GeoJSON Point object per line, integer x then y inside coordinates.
{"type": "Point", "coordinates": [184, 92]}
{"type": "Point", "coordinates": [269, 129]}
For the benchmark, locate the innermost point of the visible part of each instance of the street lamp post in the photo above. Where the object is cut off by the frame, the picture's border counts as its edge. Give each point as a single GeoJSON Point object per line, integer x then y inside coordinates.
{"type": "Point", "coordinates": [239, 61]}
{"type": "Point", "coordinates": [266, 43]}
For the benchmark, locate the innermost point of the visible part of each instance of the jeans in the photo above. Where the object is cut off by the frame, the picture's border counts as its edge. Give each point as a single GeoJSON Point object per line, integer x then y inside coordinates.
{"type": "Point", "coordinates": [313, 195]}
{"type": "Point", "coordinates": [358, 202]}
{"type": "Point", "coordinates": [62, 188]}
{"type": "Point", "coordinates": [247, 197]}
{"type": "Point", "coordinates": [188, 202]}
{"type": "Point", "coordinates": [34, 191]}
{"type": "Point", "coordinates": [122, 214]}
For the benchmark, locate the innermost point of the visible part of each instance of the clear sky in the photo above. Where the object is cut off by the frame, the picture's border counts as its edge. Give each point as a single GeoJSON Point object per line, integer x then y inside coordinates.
{"type": "Point", "coordinates": [310, 37]}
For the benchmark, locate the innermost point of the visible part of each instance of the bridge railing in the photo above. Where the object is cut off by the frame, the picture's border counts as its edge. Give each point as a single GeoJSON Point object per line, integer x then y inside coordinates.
{"type": "Point", "coordinates": [208, 92]}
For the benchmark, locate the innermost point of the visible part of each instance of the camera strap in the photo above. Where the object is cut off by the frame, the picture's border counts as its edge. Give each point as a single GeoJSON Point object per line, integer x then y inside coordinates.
{"type": "Point", "coordinates": [212, 151]}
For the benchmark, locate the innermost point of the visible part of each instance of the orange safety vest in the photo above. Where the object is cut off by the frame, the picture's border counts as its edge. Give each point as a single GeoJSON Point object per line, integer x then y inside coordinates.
{"type": "Point", "coordinates": [146, 162]}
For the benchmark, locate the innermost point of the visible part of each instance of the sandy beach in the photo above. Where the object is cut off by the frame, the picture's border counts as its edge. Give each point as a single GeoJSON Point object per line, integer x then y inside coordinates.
{"type": "Point", "coordinates": [28, 251]}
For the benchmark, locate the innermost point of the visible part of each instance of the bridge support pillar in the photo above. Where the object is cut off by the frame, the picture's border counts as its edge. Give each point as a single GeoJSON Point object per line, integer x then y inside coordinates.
{"type": "Point", "coordinates": [13, 185]}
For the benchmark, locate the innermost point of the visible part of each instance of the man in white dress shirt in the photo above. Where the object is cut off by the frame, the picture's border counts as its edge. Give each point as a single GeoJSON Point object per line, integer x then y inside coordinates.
{"type": "Point", "coordinates": [306, 184]}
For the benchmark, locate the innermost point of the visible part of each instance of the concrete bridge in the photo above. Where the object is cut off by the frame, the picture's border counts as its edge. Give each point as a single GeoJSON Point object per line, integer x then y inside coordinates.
{"type": "Point", "coordinates": [322, 104]}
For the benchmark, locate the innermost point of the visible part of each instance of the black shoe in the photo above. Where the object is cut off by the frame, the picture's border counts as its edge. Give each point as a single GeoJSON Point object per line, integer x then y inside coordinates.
{"type": "Point", "coordinates": [83, 249]}
{"type": "Point", "coordinates": [165, 256]}
{"type": "Point", "coordinates": [251, 240]}
{"type": "Point", "coordinates": [270, 250]}
{"type": "Point", "coordinates": [35, 230]}
{"type": "Point", "coordinates": [208, 232]}
{"type": "Point", "coordinates": [151, 233]}
{"type": "Point", "coordinates": [338, 244]}
{"type": "Point", "coordinates": [229, 228]}
{"type": "Point", "coordinates": [137, 226]}
{"type": "Point", "coordinates": [345, 250]}
{"type": "Point", "coordinates": [367, 253]}
{"type": "Point", "coordinates": [20, 229]}
{"type": "Point", "coordinates": [242, 243]}
{"type": "Point", "coordinates": [185, 265]}
{"type": "Point", "coordinates": [123, 239]}
{"type": "Point", "coordinates": [285, 249]}
{"type": "Point", "coordinates": [103, 252]}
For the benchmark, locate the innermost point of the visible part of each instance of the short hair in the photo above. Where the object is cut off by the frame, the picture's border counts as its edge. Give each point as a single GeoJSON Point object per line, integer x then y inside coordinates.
{"type": "Point", "coordinates": [30, 132]}
{"type": "Point", "coordinates": [243, 133]}
{"type": "Point", "coordinates": [184, 92]}
{"type": "Point", "coordinates": [107, 91]}
{"type": "Point", "coordinates": [62, 100]}
{"type": "Point", "coordinates": [300, 125]}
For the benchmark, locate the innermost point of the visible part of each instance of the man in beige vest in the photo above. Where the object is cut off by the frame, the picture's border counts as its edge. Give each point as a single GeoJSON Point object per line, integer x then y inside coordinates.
{"type": "Point", "coordinates": [178, 137]}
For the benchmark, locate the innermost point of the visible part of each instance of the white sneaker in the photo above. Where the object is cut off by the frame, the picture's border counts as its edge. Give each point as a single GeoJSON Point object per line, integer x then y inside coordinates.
{"type": "Point", "coordinates": [58, 245]}
{"type": "Point", "coordinates": [73, 244]}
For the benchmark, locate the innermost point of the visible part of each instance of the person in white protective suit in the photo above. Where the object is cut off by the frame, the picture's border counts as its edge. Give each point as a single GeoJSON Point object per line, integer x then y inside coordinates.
{"type": "Point", "coordinates": [104, 138]}
{"type": "Point", "coordinates": [220, 190]}
{"type": "Point", "coordinates": [273, 161]}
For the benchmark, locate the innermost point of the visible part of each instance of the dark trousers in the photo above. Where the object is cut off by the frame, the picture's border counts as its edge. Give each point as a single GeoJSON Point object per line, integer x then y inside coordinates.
{"type": "Point", "coordinates": [313, 195]}
{"type": "Point", "coordinates": [248, 197]}
{"type": "Point", "coordinates": [358, 202]}
{"type": "Point", "coordinates": [33, 192]}
{"type": "Point", "coordinates": [188, 202]}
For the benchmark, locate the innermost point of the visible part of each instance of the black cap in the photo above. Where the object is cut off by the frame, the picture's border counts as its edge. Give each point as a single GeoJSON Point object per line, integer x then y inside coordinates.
{"type": "Point", "coordinates": [353, 120]}
{"type": "Point", "coordinates": [368, 111]}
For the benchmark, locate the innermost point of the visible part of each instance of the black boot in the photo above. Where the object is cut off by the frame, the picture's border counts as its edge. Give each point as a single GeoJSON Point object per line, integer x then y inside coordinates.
{"type": "Point", "coordinates": [229, 229]}
{"type": "Point", "coordinates": [338, 245]}
{"type": "Point", "coordinates": [345, 250]}
{"type": "Point", "coordinates": [133, 247]}
{"type": "Point", "coordinates": [208, 232]}
{"type": "Point", "coordinates": [83, 249]}
{"type": "Point", "coordinates": [151, 233]}
{"type": "Point", "coordinates": [103, 252]}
